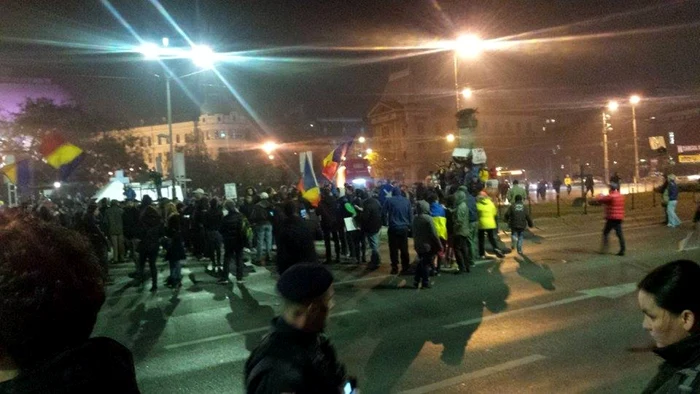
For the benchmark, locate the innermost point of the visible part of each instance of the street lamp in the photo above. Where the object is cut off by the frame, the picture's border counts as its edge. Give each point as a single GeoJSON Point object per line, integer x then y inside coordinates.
{"type": "Point", "coordinates": [362, 139]}
{"type": "Point", "coordinates": [369, 151]}
{"type": "Point", "coordinates": [612, 107]}
{"type": "Point", "coordinates": [269, 146]}
{"type": "Point", "coordinates": [465, 46]}
{"type": "Point", "coordinates": [450, 137]}
{"type": "Point", "coordinates": [634, 100]}
{"type": "Point", "coordinates": [201, 55]}
{"type": "Point", "coordinates": [466, 93]}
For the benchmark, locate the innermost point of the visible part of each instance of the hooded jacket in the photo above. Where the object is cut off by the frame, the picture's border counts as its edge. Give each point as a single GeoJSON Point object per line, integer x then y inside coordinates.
{"type": "Point", "coordinates": [371, 215]}
{"type": "Point", "coordinates": [100, 365]}
{"type": "Point", "coordinates": [461, 215]}
{"type": "Point", "coordinates": [518, 217]}
{"type": "Point", "coordinates": [425, 237]}
{"type": "Point", "coordinates": [487, 213]}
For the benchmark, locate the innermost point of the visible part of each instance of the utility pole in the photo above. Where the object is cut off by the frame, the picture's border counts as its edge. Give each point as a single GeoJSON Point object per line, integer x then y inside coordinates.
{"type": "Point", "coordinates": [606, 171]}
{"type": "Point", "coordinates": [636, 143]}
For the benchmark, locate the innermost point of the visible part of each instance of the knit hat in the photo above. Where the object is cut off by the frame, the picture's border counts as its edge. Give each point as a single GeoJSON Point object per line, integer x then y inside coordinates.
{"type": "Point", "coordinates": [302, 283]}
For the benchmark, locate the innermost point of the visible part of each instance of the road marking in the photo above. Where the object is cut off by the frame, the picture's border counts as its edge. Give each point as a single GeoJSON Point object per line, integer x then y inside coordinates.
{"type": "Point", "coordinates": [239, 333]}
{"type": "Point", "coordinates": [362, 279]}
{"type": "Point", "coordinates": [607, 292]}
{"type": "Point", "coordinates": [475, 375]}
{"type": "Point", "coordinates": [555, 237]}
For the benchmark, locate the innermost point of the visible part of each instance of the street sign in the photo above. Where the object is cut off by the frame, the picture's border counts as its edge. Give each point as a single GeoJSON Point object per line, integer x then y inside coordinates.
{"type": "Point", "coordinates": [230, 191]}
{"type": "Point", "coordinates": [689, 158]}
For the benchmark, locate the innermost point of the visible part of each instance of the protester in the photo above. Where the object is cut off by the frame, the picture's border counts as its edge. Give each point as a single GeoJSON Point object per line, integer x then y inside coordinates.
{"type": "Point", "coordinates": [672, 189]}
{"type": "Point", "coordinates": [115, 230]}
{"type": "Point", "coordinates": [175, 250]}
{"type": "Point", "coordinates": [199, 235]}
{"type": "Point", "coordinates": [487, 224]}
{"type": "Point", "coordinates": [295, 241]}
{"type": "Point", "coordinates": [616, 178]}
{"type": "Point", "coordinates": [437, 212]}
{"type": "Point", "coordinates": [296, 357]}
{"type": "Point", "coordinates": [461, 223]}
{"type": "Point", "coordinates": [236, 234]}
{"type": "Point", "coordinates": [515, 191]}
{"type": "Point", "coordinates": [425, 242]}
{"type": "Point", "coordinates": [669, 297]}
{"type": "Point", "coordinates": [357, 238]}
{"type": "Point", "coordinates": [473, 225]}
{"type": "Point", "coordinates": [556, 185]}
{"type": "Point", "coordinates": [614, 215]}
{"type": "Point", "coordinates": [151, 230]}
{"type": "Point", "coordinates": [589, 185]}
{"type": "Point", "coordinates": [261, 219]}
{"type": "Point", "coordinates": [518, 219]}
{"type": "Point", "coordinates": [130, 221]}
{"type": "Point", "coordinates": [212, 223]}
{"type": "Point", "coordinates": [397, 211]}
{"type": "Point", "coordinates": [97, 238]}
{"type": "Point", "coordinates": [51, 290]}
{"type": "Point", "coordinates": [542, 190]}
{"type": "Point", "coordinates": [371, 225]}
{"type": "Point", "coordinates": [568, 183]}
{"type": "Point", "coordinates": [329, 224]}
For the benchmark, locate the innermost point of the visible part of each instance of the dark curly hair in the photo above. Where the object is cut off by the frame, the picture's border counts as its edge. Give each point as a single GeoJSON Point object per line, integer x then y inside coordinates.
{"type": "Point", "coordinates": [51, 289]}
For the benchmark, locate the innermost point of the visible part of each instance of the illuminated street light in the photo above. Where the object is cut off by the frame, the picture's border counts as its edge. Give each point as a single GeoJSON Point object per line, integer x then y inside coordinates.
{"type": "Point", "coordinates": [467, 93]}
{"type": "Point", "coordinates": [149, 50]}
{"type": "Point", "coordinates": [613, 105]}
{"type": "Point", "coordinates": [271, 157]}
{"type": "Point", "coordinates": [362, 139]}
{"type": "Point", "coordinates": [203, 56]}
{"type": "Point", "coordinates": [634, 99]}
{"type": "Point", "coordinates": [57, 185]}
{"type": "Point", "coordinates": [469, 46]}
{"type": "Point", "coordinates": [369, 151]}
{"type": "Point", "coordinates": [450, 137]}
{"type": "Point", "coordinates": [269, 147]}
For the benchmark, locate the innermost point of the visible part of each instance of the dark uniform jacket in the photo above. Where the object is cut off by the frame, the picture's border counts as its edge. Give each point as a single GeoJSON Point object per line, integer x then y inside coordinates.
{"type": "Point", "coordinates": [289, 360]}
{"type": "Point", "coordinates": [680, 370]}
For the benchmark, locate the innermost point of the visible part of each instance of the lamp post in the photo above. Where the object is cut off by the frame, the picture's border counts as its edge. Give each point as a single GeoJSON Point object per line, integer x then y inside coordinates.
{"type": "Point", "coordinates": [634, 100]}
{"type": "Point", "coordinates": [468, 46]}
{"type": "Point", "coordinates": [612, 107]}
{"type": "Point", "coordinates": [201, 55]}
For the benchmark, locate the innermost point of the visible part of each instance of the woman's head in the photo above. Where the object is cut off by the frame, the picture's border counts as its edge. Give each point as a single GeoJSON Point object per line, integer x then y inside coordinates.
{"type": "Point", "coordinates": [669, 296]}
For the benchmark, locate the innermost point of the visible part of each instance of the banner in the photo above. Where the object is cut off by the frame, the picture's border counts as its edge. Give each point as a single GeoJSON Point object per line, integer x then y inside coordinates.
{"type": "Point", "coordinates": [230, 191]}
{"type": "Point", "coordinates": [656, 143]}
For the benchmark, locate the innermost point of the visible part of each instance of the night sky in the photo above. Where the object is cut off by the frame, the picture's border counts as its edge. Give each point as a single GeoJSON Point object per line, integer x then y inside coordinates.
{"type": "Point", "coordinates": [611, 48]}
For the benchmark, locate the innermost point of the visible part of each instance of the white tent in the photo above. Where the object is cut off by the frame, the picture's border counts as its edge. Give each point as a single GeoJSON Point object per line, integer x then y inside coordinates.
{"type": "Point", "coordinates": [114, 190]}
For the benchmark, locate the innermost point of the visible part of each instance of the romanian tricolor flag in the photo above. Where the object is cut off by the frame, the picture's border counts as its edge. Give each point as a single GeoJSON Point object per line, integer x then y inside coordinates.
{"type": "Point", "coordinates": [60, 154]}
{"type": "Point", "coordinates": [308, 186]}
{"type": "Point", "coordinates": [332, 161]}
{"type": "Point", "coordinates": [18, 173]}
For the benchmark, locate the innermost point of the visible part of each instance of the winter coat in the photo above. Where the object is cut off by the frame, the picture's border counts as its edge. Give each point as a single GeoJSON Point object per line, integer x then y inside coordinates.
{"type": "Point", "coordinates": [681, 367]}
{"type": "Point", "coordinates": [437, 211]}
{"type": "Point", "coordinates": [212, 219]}
{"type": "Point", "coordinates": [290, 360]}
{"type": "Point", "coordinates": [460, 217]}
{"type": "Point", "coordinates": [614, 205]}
{"type": "Point", "coordinates": [99, 365]}
{"type": "Point", "coordinates": [672, 191]}
{"type": "Point", "coordinates": [233, 230]}
{"type": "Point", "coordinates": [397, 210]}
{"type": "Point", "coordinates": [516, 190]}
{"type": "Point", "coordinates": [115, 220]}
{"type": "Point", "coordinates": [151, 229]}
{"type": "Point", "coordinates": [130, 221]}
{"type": "Point", "coordinates": [371, 215]}
{"type": "Point", "coordinates": [176, 246]}
{"type": "Point", "coordinates": [263, 213]}
{"type": "Point", "coordinates": [425, 237]}
{"type": "Point", "coordinates": [487, 213]}
{"type": "Point", "coordinates": [326, 210]}
{"type": "Point", "coordinates": [518, 217]}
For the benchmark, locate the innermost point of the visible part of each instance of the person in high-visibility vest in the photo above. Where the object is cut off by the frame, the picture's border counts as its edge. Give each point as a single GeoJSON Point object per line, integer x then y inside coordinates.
{"type": "Point", "coordinates": [567, 183]}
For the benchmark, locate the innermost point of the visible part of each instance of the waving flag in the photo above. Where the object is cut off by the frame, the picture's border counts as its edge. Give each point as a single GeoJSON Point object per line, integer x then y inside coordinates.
{"type": "Point", "coordinates": [308, 186]}
{"type": "Point", "coordinates": [18, 172]}
{"type": "Point", "coordinates": [332, 161]}
{"type": "Point", "coordinates": [60, 154]}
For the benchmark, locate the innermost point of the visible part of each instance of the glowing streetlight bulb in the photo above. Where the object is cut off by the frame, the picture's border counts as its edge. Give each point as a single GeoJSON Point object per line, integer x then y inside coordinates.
{"type": "Point", "coordinates": [467, 93]}
{"type": "Point", "coordinates": [469, 46]}
{"type": "Point", "coordinates": [269, 147]}
{"type": "Point", "coordinates": [369, 151]}
{"type": "Point", "coordinates": [271, 157]}
{"type": "Point", "coordinates": [149, 50]}
{"type": "Point", "coordinates": [450, 137]}
{"type": "Point", "coordinates": [362, 139]}
{"type": "Point", "coordinates": [634, 100]}
{"type": "Point", "coordinates": [613, 105]}
{"type": "Point", "coordinates": [203, 56]}
{"type": "Point", "coordinates": [56, 185]}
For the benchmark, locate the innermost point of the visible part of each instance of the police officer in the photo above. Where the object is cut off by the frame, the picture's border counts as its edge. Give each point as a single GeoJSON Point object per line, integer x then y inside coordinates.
{"type": "Point", "coordinates": [295, 356]}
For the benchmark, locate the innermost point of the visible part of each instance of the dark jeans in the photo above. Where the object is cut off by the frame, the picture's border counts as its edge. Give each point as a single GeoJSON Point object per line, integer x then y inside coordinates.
{"type": "Point", "coordinates": [236, 255]}
{"type": "Point", "coordinates": [398, 242]}
{"type": "Point", "coordinates": [151, 256]}
{"type": "Point", "coordinates": [214, 241]}
{"type": "Point", "coordinates": [491, 233]}
{"type": "Point", "coordinates": [343, 240]}
{"type": "Point", "coordinates": [613, 224]}
{"type": "Point", "coordinates": [462, 255]}
{"type": "Point", "coordinates": [425, 262]}
{"type": "Point", "coordinates": [357, 245]}
{"type": "Point", "coordinates": [327, 235]}
{"type": "Point", "coordinates": [175, 271]}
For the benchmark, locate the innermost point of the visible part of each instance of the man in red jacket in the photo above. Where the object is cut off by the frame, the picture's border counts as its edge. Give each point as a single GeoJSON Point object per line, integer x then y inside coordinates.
{"type": "Point", "coordinates": [614, 214]}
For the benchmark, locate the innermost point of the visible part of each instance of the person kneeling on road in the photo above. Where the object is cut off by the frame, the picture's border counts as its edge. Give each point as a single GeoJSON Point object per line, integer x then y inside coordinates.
{"type": "Point", "coordinates": [295, 356]}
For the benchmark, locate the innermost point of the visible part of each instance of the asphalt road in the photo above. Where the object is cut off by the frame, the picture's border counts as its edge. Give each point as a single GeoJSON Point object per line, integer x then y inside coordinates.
{"type": "Point", "coordinates": [563, 319]}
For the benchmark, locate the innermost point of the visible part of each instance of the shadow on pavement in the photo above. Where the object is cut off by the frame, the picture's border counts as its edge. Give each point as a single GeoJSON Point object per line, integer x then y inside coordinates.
{"type": "Point", "coordinates": [395, 353]}
{"type": "Point", "coordinates": [147, 325]}
{"type": "Point", "coordinates": [534, 272]}
{"type": "Point", "coordinates": [247, 313]}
